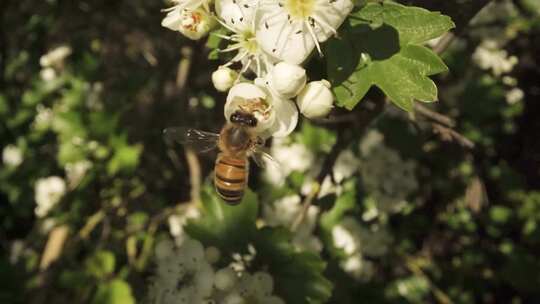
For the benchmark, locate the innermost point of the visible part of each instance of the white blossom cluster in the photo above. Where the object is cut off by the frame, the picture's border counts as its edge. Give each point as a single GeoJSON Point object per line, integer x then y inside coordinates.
{"type": "Point", "coordinates": [187, 274]}
{"type": "Point", "coordinates": [358, 242]}
{"type": "Point", "coordinates": [388, 178]}
{"type": "Point", "coordinates": [489, 56]}
{"type": "Point", "coordinates": [12, 156]}
{"type": "Point", "coordinates": [48, 193]}
{"type": "Point", "coordinates": [269, 39]}
{"type": "Point", "coordinates": [53, 62]}
{"type": "Point", "coordinates": [284, 211]}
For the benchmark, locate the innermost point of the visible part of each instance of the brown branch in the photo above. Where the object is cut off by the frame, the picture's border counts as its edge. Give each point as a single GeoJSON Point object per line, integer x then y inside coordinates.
{"type": "Point", "coordinates": [451, 135]}
{"type": "Point", "coordinates": [435, 116]}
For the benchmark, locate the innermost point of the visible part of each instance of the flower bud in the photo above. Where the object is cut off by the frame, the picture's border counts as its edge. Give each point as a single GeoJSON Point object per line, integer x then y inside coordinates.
{"type": "Point", "coordinates": [316, 99]}
{"type": "Point", "coordinates": [194, 24]}
{"type": "Point", "coordinates": [225, 279]}
{"type": "Point", "coordinates": [223, 78]}
{"type": "Point", "coordinates": [288, 79]}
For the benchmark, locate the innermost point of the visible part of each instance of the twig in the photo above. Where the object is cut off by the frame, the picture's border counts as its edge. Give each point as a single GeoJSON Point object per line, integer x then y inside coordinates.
{"type": "Point", "coordinates": [441, 297]}
{"type": "Point", "coordinates": [194, 175]}
{"type": "Point", "coordinates": [53, 249]}
{"type": "Point", "coordinates": [315, 189]}
{"type": "Point", "coordinates": [437, 117]}
{"type": "Point", "coordinates": [443, 43]}
{"type": "Point", "coordinates": [183, 68]}
{"type": "Point", "coordinates": [449, 134]}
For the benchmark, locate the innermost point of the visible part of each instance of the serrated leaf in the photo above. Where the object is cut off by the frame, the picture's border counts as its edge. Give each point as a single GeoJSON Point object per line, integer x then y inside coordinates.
{"type": "Point", "coordinates": [222, 225]}
{"type": "Point", "coordinates": [380, 47]}
{"type": "Point", "coordinates": [415, 25]}
{"type": "Point", "coordinates": [298, 276]}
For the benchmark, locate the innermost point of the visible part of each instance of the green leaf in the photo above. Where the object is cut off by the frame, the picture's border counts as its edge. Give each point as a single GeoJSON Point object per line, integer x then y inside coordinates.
{"type": "Point", "coordinates": [298, 276]}
{"type": "Point", "coordinates": [125, 157]}
{"type": "Point", "coordinates": [114, 292]}
{"type": "Point", "coordinates": [101, 264]}
{"type": "Point", "coordinates": [380, 46]}
{"type": "Point", "coordinates": [223, 225]}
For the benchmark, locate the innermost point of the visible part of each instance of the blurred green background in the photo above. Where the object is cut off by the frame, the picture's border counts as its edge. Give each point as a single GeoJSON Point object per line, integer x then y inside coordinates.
{"type": "Point", "coordinates": [86, 88]}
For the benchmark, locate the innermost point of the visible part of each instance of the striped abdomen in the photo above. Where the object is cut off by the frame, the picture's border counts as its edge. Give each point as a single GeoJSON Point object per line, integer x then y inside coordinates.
{"type": "Point", "coordinates": [230, 178]}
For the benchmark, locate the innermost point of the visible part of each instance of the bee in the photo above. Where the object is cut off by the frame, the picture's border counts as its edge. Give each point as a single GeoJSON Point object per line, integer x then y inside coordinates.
{"type": "Point", "coordinates": [236, 142]}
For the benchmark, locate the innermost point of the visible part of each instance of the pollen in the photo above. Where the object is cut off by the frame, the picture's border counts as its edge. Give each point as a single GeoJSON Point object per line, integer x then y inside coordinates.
{"type": "Point", "coordinates": [299, 9]}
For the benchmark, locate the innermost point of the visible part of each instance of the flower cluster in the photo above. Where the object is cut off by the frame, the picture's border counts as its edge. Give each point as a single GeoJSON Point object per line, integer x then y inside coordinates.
{"type": "Point", "coordinates": [48, 192]}
{"type": "Point", "coordinates": [187, 274]}
{"type": "Point", "coordinates": [358, 242]}
{"type": "Point", "coordinates": [270, 40]}
{"type": "Point", "coordinates": [284, 211]}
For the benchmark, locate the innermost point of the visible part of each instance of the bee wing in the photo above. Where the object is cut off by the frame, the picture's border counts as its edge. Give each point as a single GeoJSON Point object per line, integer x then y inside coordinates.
{"type": "Point", "coordinates": [200, 141]}
{"type": "Point", "coordinates": [263, 159]}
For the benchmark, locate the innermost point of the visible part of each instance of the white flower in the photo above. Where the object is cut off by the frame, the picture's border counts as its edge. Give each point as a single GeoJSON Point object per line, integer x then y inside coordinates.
{"type": "Point", "coordinates": [275, 116]}
{"type": "Point", "coordinates": [75, 172]}
{"type": "Point", "coordinates": [43, 119]}
{"type": "Point", "coordinates": [212, 254]}
{"type": "Point", "coordinates": [194, 23]}
{"type": "Point", "coordinates": [290, 29]}
{"type": "Point", "coordinates": [346, 165]}
{"type": "Point", "coordinates": [183, 275]}
{"type": "Point", "coordinates": [178, 220]}
{"type": "Point", "coordinates": [344, 239]}
{"type": "Point", "coordinates": [316, 99]}
{"type": "Point", "coordinates": [488, 55]}
{"type": "Point", "coordinates": [288, 79]}
{"type": "Point", "coordinates": [48, 192]}
{"type": "Point", "coordinates": [256, 288]}
{"type": "Point", "coordinates": [12, 156]}
{"type": "Point", "coordinates": [248, 52]}
{"type": "Point", "coordinates": [225, 279]}
{"type": "Point", "coordinates": [237, 14]}
{"type": "Point", "coordinates": [47, 74]}
{"type": "Point", "coordinates": [293, 157]}
{"type": "Point", "coordinates": [223, 78]}
{"type": "Point", "coordinates": [514, 95]}
{"type": "Point", "coordinates": [55, 58]}
{"type": "Point", "coordinates": [284, 211]}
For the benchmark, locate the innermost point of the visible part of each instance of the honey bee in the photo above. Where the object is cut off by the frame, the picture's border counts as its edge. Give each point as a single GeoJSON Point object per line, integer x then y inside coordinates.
{"type": "Point", "coordinates": [236, 142]}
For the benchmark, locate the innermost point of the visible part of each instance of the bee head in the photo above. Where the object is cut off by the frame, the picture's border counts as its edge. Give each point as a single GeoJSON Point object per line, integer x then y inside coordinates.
{"type": "Point", "coordinates": [244, 118]}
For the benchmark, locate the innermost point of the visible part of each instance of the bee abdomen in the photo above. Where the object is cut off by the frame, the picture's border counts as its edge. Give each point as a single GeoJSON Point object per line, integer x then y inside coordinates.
{"type": "Point", "coordinates": [230, 178]}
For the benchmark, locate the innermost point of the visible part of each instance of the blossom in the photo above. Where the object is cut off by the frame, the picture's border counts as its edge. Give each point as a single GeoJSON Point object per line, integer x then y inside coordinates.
{"type": "Point", "coordinates": [514, 95]}
{"type": "Point", "coordinates": [48, 192]}
{"type": "Point", "coordinates": [178, 220]}
{"type": "Point", "coordinates": [288, 79]}
{"type": "Point", "coordinates": [290, 157]}
{"type": "Point", "coordinates": [488, 56]}
{"type": "Point", "coordinates": [284, 211]}
{"type": "Point", "coordinates": [76, 171]}
{"type": "Point", "coordinates": [290, 29]}
{"type": "Point", "coordinates": [247, 48]}
{"type": "Point", "coordinates": [316, 99]}
{"type": "Point", "coordinates": [254, 288]}
{"type": "Point", "coordinates": [223, 78]}
{"type": "Point", "coordinates": [194, 23]}
{"type": "Point", "coordinates": [55, 57]}
{"type": "Point", "coordinates": [183, 275]}
{"type": "Point", "coordinates": [276, 116]}
{"type": "Point", "coordinates": [12, 156]}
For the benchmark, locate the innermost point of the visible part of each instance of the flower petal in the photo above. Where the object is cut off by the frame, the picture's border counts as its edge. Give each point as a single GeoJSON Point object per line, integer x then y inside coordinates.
{"type": "Point", "coordinates": [284, 40]}
{"type": "Point", "coordinates": [286, 117]}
